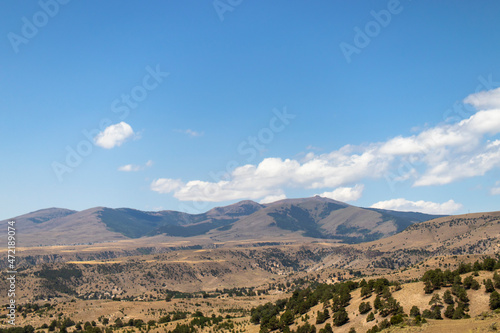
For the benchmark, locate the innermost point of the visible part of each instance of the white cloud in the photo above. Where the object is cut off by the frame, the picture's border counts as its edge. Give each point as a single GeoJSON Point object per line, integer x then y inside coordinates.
{"type": "Point", "coordinates": [345, 194]}
{"type": "Point", "coordinates": [421, 206]}
{"type": "Point", "coordinates": [485, 99]}
{"type": "Point", "coordinates": [191, 132]}
{"type": "Point", "coordinates": [133, 167]}
{"type": "Point", "coordinates": [163, 185]}
{"type": "Point", "coordinates": [114, 135]}
{"type": "Point", "coordinates": [268, 177]}
{"type": "Point", "coordinates": [435, 156]}
{"type": "Point", "coordinates": [495, 190]}
{"type": "Point", "coordinates": [272, 198]}
{"type": "Point", "coordinates": [129, 168]}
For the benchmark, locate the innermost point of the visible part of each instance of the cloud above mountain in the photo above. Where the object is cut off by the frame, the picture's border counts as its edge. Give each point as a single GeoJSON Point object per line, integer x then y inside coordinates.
{"type": "Point", "coordinates": [345, 194]}
{"type": "Point", "coordinates": [438, 155]}
{"type": "Point", "coordinates": [427, 207]}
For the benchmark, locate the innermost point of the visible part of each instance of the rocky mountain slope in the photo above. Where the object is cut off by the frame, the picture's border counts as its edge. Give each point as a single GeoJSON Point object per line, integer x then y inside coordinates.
{"type": "Point", "coordinates": [315, 217]}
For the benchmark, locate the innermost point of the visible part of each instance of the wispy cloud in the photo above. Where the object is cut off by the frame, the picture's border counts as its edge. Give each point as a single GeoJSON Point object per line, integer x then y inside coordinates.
{"type": "Point", "coordinates": [345, 194]}
{"type": "Point", "coordinates": [164, 185]}
{"type": "Point", "coordinates": [191, 132]}
{"type": "Point", "coordinates": [495, 190]}
{"type": "Point", "coordinates": [435, 156]}
{"type": "Point", "coordinates": [133, 167]}
{"type": "Point", "coordinates": [114, 135]}
{"type": "Point", "coordinates": [421, 206]}
{"type": "Point", "coordinates": [311, 147]}
{"type": "Point", "coordinates": [272, 198]}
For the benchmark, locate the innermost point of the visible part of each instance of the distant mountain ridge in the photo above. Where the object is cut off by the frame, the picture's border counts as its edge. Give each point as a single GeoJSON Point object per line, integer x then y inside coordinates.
{"type": "Point", "coordinates": [315, 217]}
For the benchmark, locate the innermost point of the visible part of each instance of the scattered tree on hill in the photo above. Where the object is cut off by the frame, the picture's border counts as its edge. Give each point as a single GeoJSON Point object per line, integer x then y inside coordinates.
{"type": "Point", "coordinates": [496, 280]}
{"type": "Point", "coordinates": [436, 313]}
{"type": "Point", "coordinates": [494, 300]}
{"type": "Point", "coordinates": [326, 329]}
{"type": "Point", "coordinates": [364, 307]}
{"type": "Point", "coordinates": [427, 314]}
{"type": "Point", "coordinates": [366, 291]}
{"type": "Point", "coordinates": [447, 297]}
{"type": "Point", "coordinates": [428, 287]}
{"type": "Point", "coordinates": [488, 285]}
{"type": "Point", "coordinates": [450, 309]}
{"type": "Point", "coordinates": [433, 280]}
{"type": "Point", "coordinates": [286, 319]}
{"type": "Point", "coordinates": [321, 317]}
{"type": "Point", "coordinates": [118, 322]}
{"type": "Point", "coordinates": [386, 293]}
{"type": "Point", "coordinates": [384, 324]}
{"type": "Point", "coordinates": [340, 317]}
{"type": "Point", "coordinates": [390, 306]}
{"type": "Point", "coordinates": [435, 301]}
{"type": "Point", "coordinates": [397, 319]}
{"type": "Point", "coordinates": [462, 296]}
{"type": "Point", "coordinates": [306, 328]}
{"type": "Point", "coordinates": [460, 311]}
{"type": "Point", "coordinates": [414, 311]}
{"type": "Point", "coordinates": [471, 283]}
{"type": "Point", "coordinates": [489, 264]}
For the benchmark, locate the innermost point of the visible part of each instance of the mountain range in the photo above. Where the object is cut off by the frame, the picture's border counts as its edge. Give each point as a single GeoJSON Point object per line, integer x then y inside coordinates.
{"type": "Point", "coordinates": [315, 217]}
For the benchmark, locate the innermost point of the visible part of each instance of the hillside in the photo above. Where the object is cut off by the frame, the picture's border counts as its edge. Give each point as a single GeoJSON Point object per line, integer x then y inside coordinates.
{"type": "Point", "coordinates": [319, 217]}
{"type": "Point", "coordinates": [372, 304]}
{"type": "Point", "coordinates": [458, 234]}
{"type": "Point", "coordinates": [152, 277]}
{"type": "Point", "coordinates": [315, 217]}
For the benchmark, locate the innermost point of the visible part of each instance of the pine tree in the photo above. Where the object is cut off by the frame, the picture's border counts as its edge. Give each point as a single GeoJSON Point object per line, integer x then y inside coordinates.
{"type": "Point", "coordinates": [450, 309]}
{"type": "Point", "coordinates": [415, 311]}
{"type": "Point", "coordinates": [488, 285]}
{"type": "Point", "coordinates": [386, 293]}
{"type": "Point", "coordinates": [494, 300]}
{"type": "Point", "coordinates": [496, 280]}
{"type": "Point", "coordinates": [340, 317]}
{"type": "Point", "coordinates": [462, 296]}
{"type": "Point", "coordinates": [364, 307]}
{"type": "Point", "coordinates": [436, 313]}
{"type": "Point", "coordinates": [435, 301]}
{"type": "Point", "coordinates": [326, 329]}
{"type": "Point", "coordinates": [366, 291]}
{"type": "Point", "coordinates": [448, 298]}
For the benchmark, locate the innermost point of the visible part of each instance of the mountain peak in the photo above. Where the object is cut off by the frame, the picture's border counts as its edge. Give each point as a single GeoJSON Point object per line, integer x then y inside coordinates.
{"type": "Point", "coordinates": [245, 207]}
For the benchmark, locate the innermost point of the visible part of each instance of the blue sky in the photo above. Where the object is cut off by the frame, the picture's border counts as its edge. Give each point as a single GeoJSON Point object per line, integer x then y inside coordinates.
{"type": "Point", "coordinates": [147, 105]}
